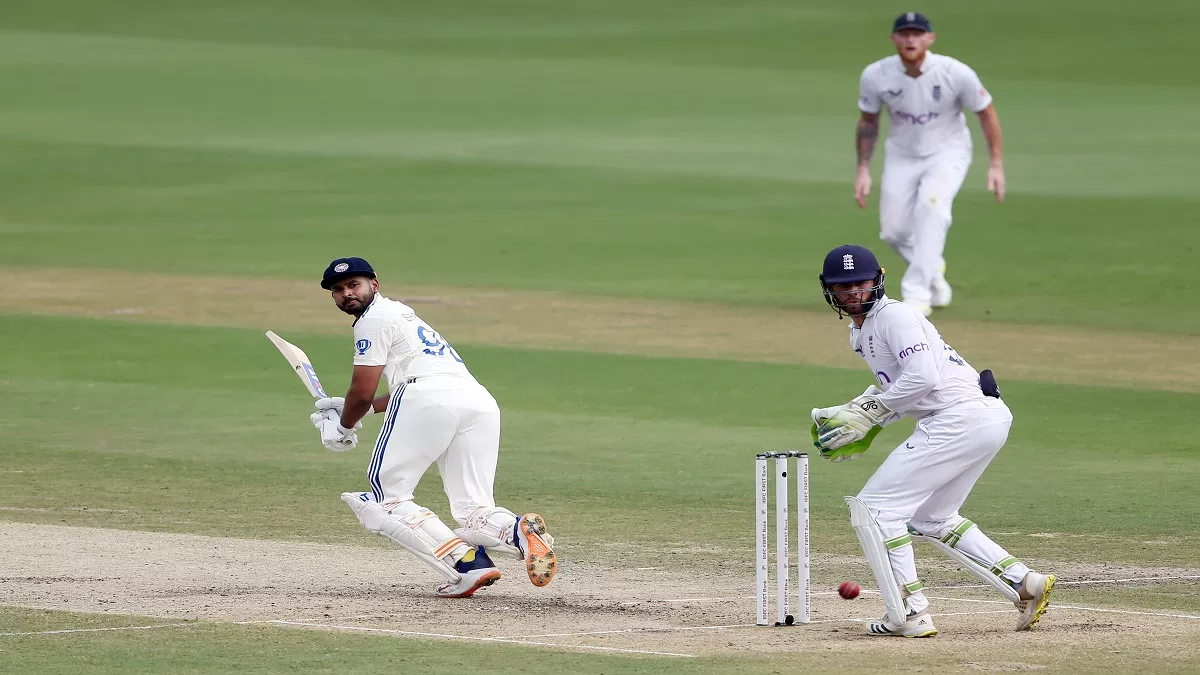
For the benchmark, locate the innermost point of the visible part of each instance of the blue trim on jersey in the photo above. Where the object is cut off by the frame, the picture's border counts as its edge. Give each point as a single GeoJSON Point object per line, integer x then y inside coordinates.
{"type": "Point", "coordinates": [381, 444]}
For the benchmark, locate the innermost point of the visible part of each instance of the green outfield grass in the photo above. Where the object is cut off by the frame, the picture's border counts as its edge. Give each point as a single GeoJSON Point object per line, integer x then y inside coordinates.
{"type": "Point", "coordinates": [609, 432]}
{"type": "Point", "coordinates": [650, 149]}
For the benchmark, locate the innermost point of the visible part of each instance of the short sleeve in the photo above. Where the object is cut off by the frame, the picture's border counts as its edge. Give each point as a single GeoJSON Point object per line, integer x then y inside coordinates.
{"type": "Point", "coordinates": [372, 342]}
{"type": "Point", "coordinates": [972, 94]}
{"type": "Point", "coordinates": [868, 93]}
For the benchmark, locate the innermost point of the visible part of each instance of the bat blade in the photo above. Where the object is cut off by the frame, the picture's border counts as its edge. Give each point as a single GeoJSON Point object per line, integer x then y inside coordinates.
{"type": "Point", "coordinates": [300, 364]}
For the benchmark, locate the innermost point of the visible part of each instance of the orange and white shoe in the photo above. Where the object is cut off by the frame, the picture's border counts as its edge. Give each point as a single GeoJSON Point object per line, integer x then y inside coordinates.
{"type": "Point", "coordinates": [537, 548]}
{"type": "Point", "coordinates": [474, 574]}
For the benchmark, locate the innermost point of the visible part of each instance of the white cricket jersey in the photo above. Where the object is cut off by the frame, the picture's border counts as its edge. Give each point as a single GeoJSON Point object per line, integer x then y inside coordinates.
{"type": "Point", "coordinates": [925, 113]}
{"type": "Point", "coordinates": [919, 373]}
{"type": "Point", "coordinates": [390, 334]}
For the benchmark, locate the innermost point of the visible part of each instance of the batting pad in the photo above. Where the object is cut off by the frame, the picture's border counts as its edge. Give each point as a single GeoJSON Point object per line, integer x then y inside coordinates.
{"type": "Point", "coordinates": [415, 528]}
{"type": "Point", "coordinates": [871, 539]}
{"type": "Point", "coordinates": [975, 567]}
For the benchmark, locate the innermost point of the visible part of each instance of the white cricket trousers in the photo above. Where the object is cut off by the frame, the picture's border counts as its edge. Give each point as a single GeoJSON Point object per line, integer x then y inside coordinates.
{"type": "Point", "coordinates": [915, 199]}
{"type": "Point", "coordinates": [445, 419]}
{"type": "Point", "coordinates": [925, 480]}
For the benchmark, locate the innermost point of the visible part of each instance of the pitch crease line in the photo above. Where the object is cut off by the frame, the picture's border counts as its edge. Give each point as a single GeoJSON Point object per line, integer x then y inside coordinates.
{"type": "Point", "coordinates": [391, 631]}
{"type": "Point", "coordinates": [1078, 608]}
{"type": "Point", "coordinates": [1078, 582]}
{"type": "Point", "coordinates": [97, 630]}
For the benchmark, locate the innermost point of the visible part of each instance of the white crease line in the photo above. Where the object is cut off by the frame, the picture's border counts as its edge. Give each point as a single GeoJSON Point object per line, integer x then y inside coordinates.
{"type": "Point", "coordinates": [941, 614]}
{"type": "Point", "coordinates": [667, 629]}
{"type": "Point", "coordinates": [356, 617]}
{"type": "Point", "coordinates": [1125, 611]}
{"type": "Point", "coordinates": [679, 629]}
{"type": "Point", "coordinates": [1081, 582]}
{"type": "Point", "coordinates": [1078, 608]}
{"type": "Point", "coordinates": [480, 639]}
{"type": "Point", "coordinates": [728, 626]}
{"type": "Point", "coordinates": [718, 599]}
{"type": "Point", "coordinates": [97, 630]}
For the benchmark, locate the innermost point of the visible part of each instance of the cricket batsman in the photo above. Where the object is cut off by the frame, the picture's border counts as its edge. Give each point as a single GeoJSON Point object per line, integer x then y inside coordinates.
{"type": "Point", "coordinates": [928, 151]}
{"type": "Point", "coordinates": [435, 411]}
{"type": "Point", "coordinates": [917, 491]}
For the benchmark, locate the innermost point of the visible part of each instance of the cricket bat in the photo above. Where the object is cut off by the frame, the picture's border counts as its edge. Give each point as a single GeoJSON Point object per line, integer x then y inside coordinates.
{"type": "Point", "coordinates": [300, 363]}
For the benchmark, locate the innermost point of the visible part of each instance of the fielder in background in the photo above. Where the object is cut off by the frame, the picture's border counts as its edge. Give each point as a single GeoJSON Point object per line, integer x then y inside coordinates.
{"type": "Point", "coordinates": [928, 152]}
{"type": "Point", "coordinates": [919, 488]}
{"type": "Point", "coordinates": [435, 412]}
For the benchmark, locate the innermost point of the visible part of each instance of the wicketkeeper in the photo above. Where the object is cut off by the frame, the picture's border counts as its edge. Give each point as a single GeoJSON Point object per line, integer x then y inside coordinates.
{"type": "Point", "coordinates": [916, 493]}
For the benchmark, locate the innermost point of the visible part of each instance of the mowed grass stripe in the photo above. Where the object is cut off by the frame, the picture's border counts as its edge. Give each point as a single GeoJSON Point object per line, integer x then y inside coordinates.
{"type": "Point", "coordinates": [664, 116]}
{"type": "Point", "coordinates": [549, 320]}
{"type": "Point", "coordinates": [192, 428]}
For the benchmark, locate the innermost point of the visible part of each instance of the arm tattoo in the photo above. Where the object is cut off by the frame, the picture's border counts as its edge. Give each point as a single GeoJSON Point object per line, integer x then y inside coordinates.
{"type": "Point", "coordinates": [864, 140]}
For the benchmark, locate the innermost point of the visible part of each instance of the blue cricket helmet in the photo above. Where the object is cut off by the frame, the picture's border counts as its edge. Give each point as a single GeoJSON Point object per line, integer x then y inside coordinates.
{"type": "Point", "coordinates": [850, 264]}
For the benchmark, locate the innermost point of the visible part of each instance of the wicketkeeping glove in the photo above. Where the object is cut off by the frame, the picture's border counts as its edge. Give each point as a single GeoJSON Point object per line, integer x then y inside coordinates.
{"type": "Point", "coordinates": [845, 431]}
{"type": "Point", "coordinates": [848, 451]}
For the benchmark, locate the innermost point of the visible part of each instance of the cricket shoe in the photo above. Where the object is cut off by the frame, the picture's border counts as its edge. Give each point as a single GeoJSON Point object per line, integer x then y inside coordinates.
{"type": "Point", "coordinates": [923, 307]}
{"type": "Point", "coordinates": [1040, 586]}
{"type": "Point", "coordinates": [537, 548]}
{"type": "Point", "coordinates": [474, 574]}
{"type": "Point", "coordinates": [917, 625]}
{"type": "Point", "coordinates": [942, 293]}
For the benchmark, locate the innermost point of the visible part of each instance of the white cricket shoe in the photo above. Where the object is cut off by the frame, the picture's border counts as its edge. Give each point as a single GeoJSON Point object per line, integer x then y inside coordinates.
{"type": "Point", "coordinates": [1040, 586]}
{"type": "Point", "coordinates": [918, 625]}
{"type": "Point", "coordinates": [537, 548]}
{"type": "Point", "coordinates": [942, 293]}
{"type": "Point", "coordinates": [473, 575]}
{"type": "Point", "coordinates": [923, 307]}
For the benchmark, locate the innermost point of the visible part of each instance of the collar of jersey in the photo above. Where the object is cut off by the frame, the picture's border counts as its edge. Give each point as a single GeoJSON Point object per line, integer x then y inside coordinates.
{"type": "Point", "coordinates": [879, 304]}
{"type": "Point", "coordinates": [926, 65]}
{"type": "Point", "coordinates": [374, 300]}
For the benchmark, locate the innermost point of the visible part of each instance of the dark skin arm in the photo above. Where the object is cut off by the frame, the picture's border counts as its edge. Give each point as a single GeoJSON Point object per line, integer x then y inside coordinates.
{"type": "Point", "coordinates": [361, 395]}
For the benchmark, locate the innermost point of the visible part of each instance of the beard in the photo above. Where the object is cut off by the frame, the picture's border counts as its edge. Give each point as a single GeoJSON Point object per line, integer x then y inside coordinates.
{"type": "Point", "coordinates": [356, 306]}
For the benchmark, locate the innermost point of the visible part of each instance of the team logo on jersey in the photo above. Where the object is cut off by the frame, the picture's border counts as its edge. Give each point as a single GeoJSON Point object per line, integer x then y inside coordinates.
{"type": "Point", "coordinates": [895, 93]}
{"type": "Point", "coordinates": [847, 262]}
{"type": "Point", "coordinates": [341, 267]}
{"type": "Point", "coordinates": [937, 92]}
{"type": "Point", "coordinates": [362, 346]}
{"type": "Point", "coordinates": [924, 118]}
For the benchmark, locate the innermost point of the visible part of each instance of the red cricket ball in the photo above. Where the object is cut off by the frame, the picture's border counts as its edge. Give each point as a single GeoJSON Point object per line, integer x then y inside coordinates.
{"type": "Point", "coordinates": [849, 590]}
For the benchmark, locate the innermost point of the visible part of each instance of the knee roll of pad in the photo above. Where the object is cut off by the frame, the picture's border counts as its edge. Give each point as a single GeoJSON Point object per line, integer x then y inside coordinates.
{"type": "Point", "coordinates": [492, 528]}
{"type": "Point", "coordinates": [948, 532]}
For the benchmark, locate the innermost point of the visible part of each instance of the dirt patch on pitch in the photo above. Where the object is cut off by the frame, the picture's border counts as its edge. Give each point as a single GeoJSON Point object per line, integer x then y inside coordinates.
{"type": "Point", "coordinates": [591, 605]}
{"type": "Point", "coordinates": [547, 320]}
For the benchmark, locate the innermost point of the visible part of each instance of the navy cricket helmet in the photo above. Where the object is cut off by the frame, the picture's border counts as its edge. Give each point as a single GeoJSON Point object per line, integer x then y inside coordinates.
{"type": "Point", "coordinates": [850, 264]}
{"type": "Point", "coordinates": [344, 268]}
